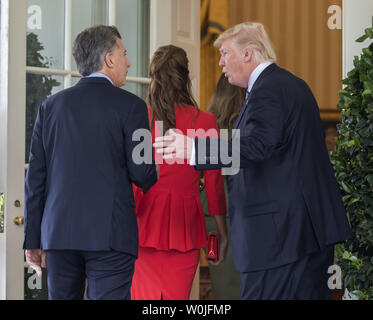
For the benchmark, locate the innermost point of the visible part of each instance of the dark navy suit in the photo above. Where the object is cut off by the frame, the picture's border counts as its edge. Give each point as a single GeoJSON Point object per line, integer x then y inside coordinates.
{"type": "Point", "coordinates": [78, 191]}
{"type": "Point", "coordinates": [284, 203]}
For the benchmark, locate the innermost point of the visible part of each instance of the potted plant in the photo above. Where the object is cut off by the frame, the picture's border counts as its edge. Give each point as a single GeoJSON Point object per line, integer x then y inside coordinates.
{"type": "Point", "coordinates": [353, 164]}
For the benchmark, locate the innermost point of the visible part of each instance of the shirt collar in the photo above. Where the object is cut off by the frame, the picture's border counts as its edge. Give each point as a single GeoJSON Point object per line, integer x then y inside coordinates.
{"type": "Point", "coordinates": [100, 75]}
{"type": "Point", "coordinates": [256, 73]}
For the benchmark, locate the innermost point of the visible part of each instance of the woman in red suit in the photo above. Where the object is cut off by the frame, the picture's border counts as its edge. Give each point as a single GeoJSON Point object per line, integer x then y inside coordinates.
{"type": "Point", "coordinates": [170, 218]}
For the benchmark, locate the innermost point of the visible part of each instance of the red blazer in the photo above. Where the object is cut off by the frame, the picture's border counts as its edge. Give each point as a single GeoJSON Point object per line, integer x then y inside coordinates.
{"type": "Point", "coordinates": [169, 215]}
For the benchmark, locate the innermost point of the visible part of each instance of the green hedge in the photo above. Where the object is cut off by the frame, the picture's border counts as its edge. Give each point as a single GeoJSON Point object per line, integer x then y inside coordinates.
{"type": "Point", "coordinates": [353, 163]}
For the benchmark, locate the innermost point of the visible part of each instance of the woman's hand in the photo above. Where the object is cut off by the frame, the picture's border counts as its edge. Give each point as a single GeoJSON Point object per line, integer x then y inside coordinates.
{"type": "Point", "coordinates": [221, 226]}
{"type": "Point", "coordinates": [223, 245]}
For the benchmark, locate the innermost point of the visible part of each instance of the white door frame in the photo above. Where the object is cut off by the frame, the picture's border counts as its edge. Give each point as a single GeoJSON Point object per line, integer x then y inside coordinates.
{"type": "Point", "coordinates": [12, 144]}
{"type": "Point", "coordinates": [168, 25]}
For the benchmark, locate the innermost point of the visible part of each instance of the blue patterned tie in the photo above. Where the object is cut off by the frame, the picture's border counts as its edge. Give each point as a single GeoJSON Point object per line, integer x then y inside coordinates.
{"type": "Point", "coordinates": [247, 97]}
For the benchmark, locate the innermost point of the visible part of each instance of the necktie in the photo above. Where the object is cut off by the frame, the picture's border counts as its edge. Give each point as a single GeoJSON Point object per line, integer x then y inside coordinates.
{"type": "Point", "coordinates": [242, 108]}
{"type": "Point", "coordinates": [247, 96]}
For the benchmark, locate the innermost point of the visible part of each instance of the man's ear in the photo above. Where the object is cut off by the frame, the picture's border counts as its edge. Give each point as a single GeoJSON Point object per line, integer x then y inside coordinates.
{"type": "Point", "coordinates": [248, 54]}
{"type": "Point", "coordinates": [108, 60]}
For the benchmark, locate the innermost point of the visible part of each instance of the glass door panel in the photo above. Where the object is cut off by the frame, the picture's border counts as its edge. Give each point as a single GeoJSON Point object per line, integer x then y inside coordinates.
{"type": "Point", "coordinates": [45, 29]}
{"type": "Point", "coordinates": [47, 36]}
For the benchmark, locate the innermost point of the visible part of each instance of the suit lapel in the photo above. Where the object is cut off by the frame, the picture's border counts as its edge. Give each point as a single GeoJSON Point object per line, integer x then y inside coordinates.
{"type": "Point", "coordinates": [244, 106]}
{"type": "Point", "coordinates": [265, 72]}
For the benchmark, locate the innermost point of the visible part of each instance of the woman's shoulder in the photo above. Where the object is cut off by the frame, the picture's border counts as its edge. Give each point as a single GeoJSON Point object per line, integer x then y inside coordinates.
{"type": "Point", "coordinates": [193, 113]}
{"type": "Point", "coordinates": [206, 120]}
{"type": "Point", "coordinates": [207, 115]}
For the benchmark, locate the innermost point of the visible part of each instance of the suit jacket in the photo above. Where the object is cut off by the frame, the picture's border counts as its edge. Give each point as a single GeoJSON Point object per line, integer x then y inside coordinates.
{"type": "Point", "coordinates": [78, 192]}
{"type": "Point", "coordinates": [170, 215]}
{"type": "Point", "coordinates": [284, 202]}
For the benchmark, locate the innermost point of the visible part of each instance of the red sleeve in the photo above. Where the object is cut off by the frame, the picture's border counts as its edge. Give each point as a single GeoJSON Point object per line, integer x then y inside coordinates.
{"type": "Point", "coordinates": [149, 115]}
{"type": "Point", "coordinates": [214, 181]}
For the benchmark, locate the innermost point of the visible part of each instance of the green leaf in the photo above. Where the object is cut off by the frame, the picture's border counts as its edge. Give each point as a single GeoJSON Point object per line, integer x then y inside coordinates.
{"type": "Point", "coordinates": [350, 143]}
{"type": "Point", "coordinates": [345, 187]}
{"type": "Point", "coordinates": [368, 85]}
{"type": "Point", "coordinates": [367, 52]}
{"type": "Point", "coordinates": [362, 38]}
{"type": "Point", "coordinates": [346, 255]}
{"type": "Point", "coordinates": [370, 179]}
{"type": "Point", "coordinates": [369, 32]}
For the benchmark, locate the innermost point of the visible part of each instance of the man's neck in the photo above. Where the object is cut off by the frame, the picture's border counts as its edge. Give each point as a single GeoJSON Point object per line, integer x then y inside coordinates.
{"type": "Point", "coordinates": [108, 74]}
{"type": "Point", "coordinates": [258, 69]}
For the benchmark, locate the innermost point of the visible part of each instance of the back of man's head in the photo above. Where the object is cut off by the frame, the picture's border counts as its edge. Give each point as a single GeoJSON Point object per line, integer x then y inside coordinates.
{"type": "Point", "coordinates": [91, 46]}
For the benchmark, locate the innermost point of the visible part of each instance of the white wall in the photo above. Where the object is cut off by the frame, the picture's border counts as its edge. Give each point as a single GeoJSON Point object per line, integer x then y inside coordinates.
{"type": "Point", "coordinates": [357, 16]}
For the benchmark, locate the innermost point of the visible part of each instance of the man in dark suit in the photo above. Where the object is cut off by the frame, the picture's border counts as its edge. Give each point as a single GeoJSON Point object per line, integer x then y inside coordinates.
{"type": "Point", "coordinates": [285, 207]}
{"type": "Point", "coordinates": [79, 205]}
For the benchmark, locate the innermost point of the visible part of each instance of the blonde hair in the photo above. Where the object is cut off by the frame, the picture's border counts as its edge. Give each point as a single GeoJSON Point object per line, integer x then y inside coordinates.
{"type": "Point", "coordinates": [253, 35]}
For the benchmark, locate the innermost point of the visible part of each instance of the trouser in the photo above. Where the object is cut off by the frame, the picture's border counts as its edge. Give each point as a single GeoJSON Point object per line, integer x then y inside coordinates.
{"type": "Point", "coordinates": [108, 274]}
{"type": "Point", "coordinates": [304, 279]}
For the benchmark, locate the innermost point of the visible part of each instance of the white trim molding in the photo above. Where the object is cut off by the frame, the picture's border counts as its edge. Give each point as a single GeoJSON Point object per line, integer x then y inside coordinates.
{"type": "Point", "coordinates": [357, 16]}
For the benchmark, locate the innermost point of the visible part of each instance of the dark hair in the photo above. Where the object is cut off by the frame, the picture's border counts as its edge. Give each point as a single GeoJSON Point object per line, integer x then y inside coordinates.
{"type": "Point", "coordinates": [226, 103]}
{"type": "Point", "coordinates": [170, 85]}
{"type": "Point", "coordinates": [91, 46]}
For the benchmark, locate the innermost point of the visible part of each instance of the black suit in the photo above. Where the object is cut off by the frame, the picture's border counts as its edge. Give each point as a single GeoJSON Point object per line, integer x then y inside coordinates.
{"type": "Point", "coordinates": [78, 192]}
{"type": "Point", "coordinates": [284, 202]}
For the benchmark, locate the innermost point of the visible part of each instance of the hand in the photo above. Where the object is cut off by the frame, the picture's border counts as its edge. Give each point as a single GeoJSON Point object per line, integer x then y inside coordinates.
{"type": "Point", "coordinates": [174, 145]}
{"type": "Point", "coordinates": [35, 258]}
{"type": "Point", "coordinates": [221, 225]}
{"type": "Point", "coordinates": [222, 252]}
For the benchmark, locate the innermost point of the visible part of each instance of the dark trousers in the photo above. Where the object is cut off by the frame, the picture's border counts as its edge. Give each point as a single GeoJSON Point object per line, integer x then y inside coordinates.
{"type": "Point", "coordinates": [108, 274]}
{"type": "Point", "coordinates": [304, 279]}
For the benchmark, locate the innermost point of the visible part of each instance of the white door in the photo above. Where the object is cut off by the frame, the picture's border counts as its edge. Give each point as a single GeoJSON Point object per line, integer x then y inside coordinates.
{"type": "Point", "coordinates": [53, 25]}
{"type": "Point", "coordinates": [12, 145]}
{"type": "Point", "coordinates": [177, 22]}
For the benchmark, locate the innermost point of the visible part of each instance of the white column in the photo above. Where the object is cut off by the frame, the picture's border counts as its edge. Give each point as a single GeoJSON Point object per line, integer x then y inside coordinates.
{"type": "Point", "coordinates": [68, 49]}
{"type": "Point", "coordinates": [112, 13]}
{"type": "Point", "coordinates": [357, 16]}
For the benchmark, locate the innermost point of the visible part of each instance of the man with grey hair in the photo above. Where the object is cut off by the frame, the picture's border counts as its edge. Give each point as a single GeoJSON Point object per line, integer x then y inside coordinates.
{"type": "Point", "coordinates": [284, 204]}
{"type": "Point", "coordinates": [79, 207]}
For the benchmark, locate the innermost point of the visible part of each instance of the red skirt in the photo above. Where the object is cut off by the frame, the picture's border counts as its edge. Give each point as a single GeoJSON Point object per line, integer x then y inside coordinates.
{"type": "Point", "coordinates": [166, 275]}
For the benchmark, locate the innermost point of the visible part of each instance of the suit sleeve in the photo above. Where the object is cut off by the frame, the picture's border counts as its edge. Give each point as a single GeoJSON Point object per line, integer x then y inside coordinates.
{"type": "Point", "coordinates": [263, 129]}
{"type": "Point", "coordinates": [35, 186]}
{"type": "Point", "coordinates": [259, 136]}
{"type": "Point", "coordinates": [214, 183]}
{"type": "Point", "coordinates": [142, 174]}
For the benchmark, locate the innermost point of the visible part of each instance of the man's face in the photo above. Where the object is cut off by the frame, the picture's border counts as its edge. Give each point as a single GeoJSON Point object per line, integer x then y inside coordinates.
{"type": "Point", "coordinates": [121, 64]}
{"type": "Point", "coordinates": [232, 61]}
